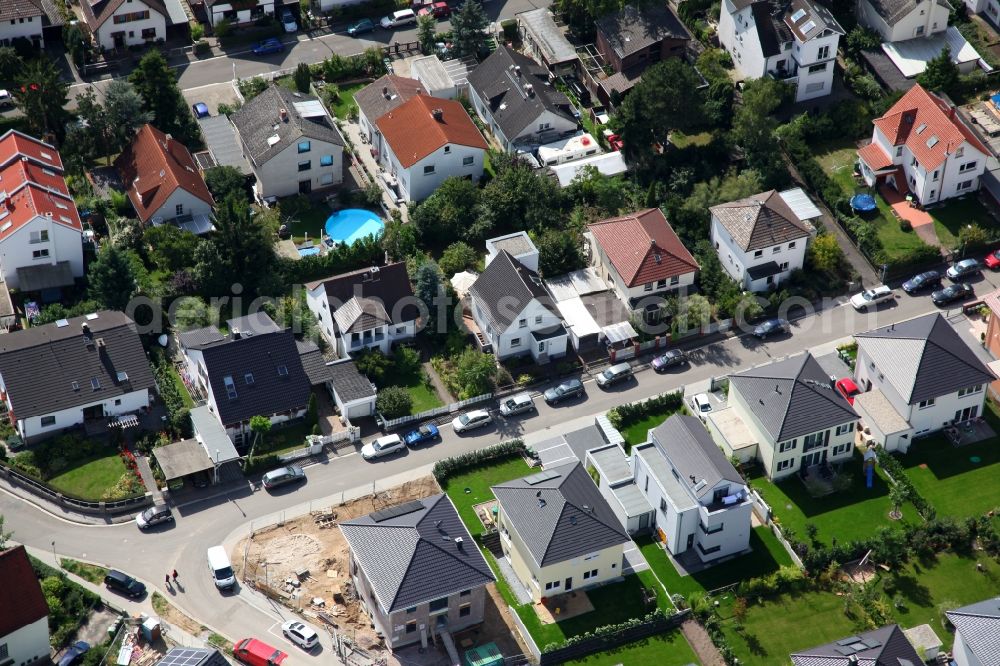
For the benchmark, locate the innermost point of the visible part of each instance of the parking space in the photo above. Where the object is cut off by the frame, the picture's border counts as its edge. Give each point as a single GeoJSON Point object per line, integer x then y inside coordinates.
{"type": "Point", "coordinates": [212, 95]}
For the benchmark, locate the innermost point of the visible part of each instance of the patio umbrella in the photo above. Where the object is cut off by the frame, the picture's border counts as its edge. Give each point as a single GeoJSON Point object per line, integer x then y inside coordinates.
{"type": "Point", "coordinates": [462, 282]}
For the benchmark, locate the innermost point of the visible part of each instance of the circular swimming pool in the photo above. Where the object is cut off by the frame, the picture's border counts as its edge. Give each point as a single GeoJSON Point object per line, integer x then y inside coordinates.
{"type": "Point", "coordinates": [348, 225]}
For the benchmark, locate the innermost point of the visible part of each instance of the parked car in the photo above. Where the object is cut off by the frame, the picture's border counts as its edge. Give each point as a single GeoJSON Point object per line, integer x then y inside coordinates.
{"type": "Point", "coordinates": [360, 27]}
{"type": "Point", "coordinates": [255, 652]}
{"type": "Point", "coordinates": [288, 22]}
{"type": "Point", "coordinates": [425, 433]}
{"type": "Point", "coordinates": [963, 268]}
{"type": "Point", "coordinates": [922, 281]}
{"type": "Point", "coordinates": [847, 388]}
{"type": "Point", "coordinates": [439, 10]}
{"type": "Point", "coordinates": [220, 568]}
{"type": "Point", "coordinates": [992, 260]}
{"type": "Point", "coordinates": [124, 584]}
{"type": "Point", "coordinates": [383, 446]}
{"type": "Point", "coordinates": [74, 652]}
{"type": "Point", "coordinates": [282, 476]}
{"type": "Point", "coordinates": [268, 46]}
{"type": "Point", "coordinates": [578, 89]}
{"type": "Point", "coordinates": [613, 375]}
{"type": "Point", "coordinates": [951, 293]}
{"type": "Point", "coordinates": [301, 634]}
{"type": "Point", "coordinates": [153, 516]}
{"type": "Point", "coordinates": [668, 359]}
{"type": "Point", "coordinates": [477, 418]}
{"type": "Point", "coordinates": [871, 297]}
{"type": "Point", "coordinates": [770, 327]}
{"type": "Point", "coordinates": [200, 110]}
{"type": "Point", "coordinates": [516, 404]}
{"type": "Point", "coordinates": [6, 99]}
{"type": "Point", "coordinates": [571, 388]}
{"type": "Point", "coordinates": [398, 19]}
{"type": "Point", "coordinates": [702, 405]}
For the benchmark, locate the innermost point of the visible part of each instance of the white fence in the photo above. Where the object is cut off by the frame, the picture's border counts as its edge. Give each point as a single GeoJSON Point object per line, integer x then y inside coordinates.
{"type": "Point", "coordinates": [298, 454]}
{"type": "Point", "coordinates": [389, 424]}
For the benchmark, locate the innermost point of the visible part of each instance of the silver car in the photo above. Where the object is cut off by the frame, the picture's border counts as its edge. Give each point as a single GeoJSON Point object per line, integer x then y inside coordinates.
{"type": "Point", "coordinates": [477, 418]}
{"type": "Point", "coordinates": [516, 404]}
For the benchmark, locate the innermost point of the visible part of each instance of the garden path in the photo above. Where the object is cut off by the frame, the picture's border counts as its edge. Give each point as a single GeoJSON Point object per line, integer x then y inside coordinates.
{"type": "Point", "coordinates": [702, 644]}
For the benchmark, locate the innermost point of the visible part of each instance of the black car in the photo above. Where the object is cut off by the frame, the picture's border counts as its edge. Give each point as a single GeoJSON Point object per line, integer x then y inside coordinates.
{"type": "Point", "coordinates": [578, 89]}
{"type": "Point", "coordinates": [951, 293]}
{"type": "Point", "coordinates": [570, 388]}
{"type": "Point", "coordinates": [669, 358]}
{"type": "Point", "coordinates": [924, 280]}
{"type": "Point", "coordinates": [124, 584]}
{"type": "Point", "coordinates": [770, 327]}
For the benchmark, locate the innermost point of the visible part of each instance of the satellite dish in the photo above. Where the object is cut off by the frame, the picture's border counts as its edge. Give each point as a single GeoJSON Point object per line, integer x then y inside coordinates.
{"type": "Point", "coordinates": [163, 340]}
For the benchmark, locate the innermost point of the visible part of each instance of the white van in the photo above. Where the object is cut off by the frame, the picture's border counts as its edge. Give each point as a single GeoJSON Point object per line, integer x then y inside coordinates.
{"type": "Point", "coordinates": [398, 19]}
{"type": "Point", "coordinates": [222, 570]}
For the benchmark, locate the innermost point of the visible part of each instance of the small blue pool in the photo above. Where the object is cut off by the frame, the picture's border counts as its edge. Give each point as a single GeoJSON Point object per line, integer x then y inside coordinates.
{"type": "Point", "coordinates": [308, 251]}
{"type": "Point", "coordinates": [348, 225]}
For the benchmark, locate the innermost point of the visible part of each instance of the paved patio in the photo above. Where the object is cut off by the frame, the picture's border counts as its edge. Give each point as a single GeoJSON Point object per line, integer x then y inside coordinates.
{"type": "Point", "coordinates": [563, 607]}
{"type": "Point", "coordinates": [920, 220]}
{"type": "Point", "coordinates": [969, 432]}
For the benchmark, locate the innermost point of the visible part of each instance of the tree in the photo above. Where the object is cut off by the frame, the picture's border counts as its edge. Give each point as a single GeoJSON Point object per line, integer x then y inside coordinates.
{"type": "Point", "coordinates": [240, 251]}
{"type": "Point", "coordinates": [941, 74]}
{"type": "Point", "coordinates": [10, 65]}
{"type": "Point", "coordinates": [427, 287]}
{"type": "Point", "coordinates": [753, 128]}
{"type": "Point", "coordinates": [156, 83]}
{"type": "Point", "coordinates": [694, 311]}
{"type": "Point", "coordinates": [190, 312]}
{"type": "Point", "coordinates": [75, 43]}
{"type": "Point", "coordinates": [124, 106]}
{"type": "Point", "coordinates": [302, 77]}
{"type": "Point", "coordinates": [41, 95]}
{"type": "Point", "coordinates": [517, 198]}
{"type": "Point", "coordinates": [426, 26]}
{"type": "Point", "coordinates": [112, 278]}
{"type": "Point", "coordinates": [399, 240]}
{"type": "Point", "coordinates": [171, 248]}
{"type": "Point", "coordinates": [373, 364]}
{"type": "Point", "coordinates": [226, 181]}
{"type": "Point", "coordinates": [259, 426]}
{"type": "Point", "coordinates": [474, 373]}
{"type": "Point", "coordinates": [468, 29]}
{"type": "Point", "coordinates": [899, 494]}
{"type": "Point", "coordinates": [825, 253]}
{"type": "Point", "coordinates": [458, 257]}
{"type": "Point", "coordinates": [393, 402]}
{"type": "Point", "coordinates": [449, 212]}
{"type": "Point", "coordinates": [559, 252]}
{"type": "Point", "coordinates": [605, 195]}
{"type": "Point", "coordinates": [4, 534]}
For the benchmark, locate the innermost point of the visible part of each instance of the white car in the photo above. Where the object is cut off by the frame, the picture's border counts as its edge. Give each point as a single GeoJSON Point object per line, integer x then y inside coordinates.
{"type": "Point", "coordinates": [516, 404]}
{"type": "Point", "coordinates": [6, 99]}
{"type": "Point", "coordinates": [871, 298]}
{"type": "Point", "coordinates": [702, 405]}
{"type": "Point", "coordinates": [301, 634]}
{"type": "Point", "coordinates": [477, 418]}
{"type": "Point", "coordinates": [383, 446]}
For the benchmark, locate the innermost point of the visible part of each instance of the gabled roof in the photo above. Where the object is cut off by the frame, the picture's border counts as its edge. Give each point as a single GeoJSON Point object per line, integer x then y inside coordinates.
{"type": "Point", "coordinates": [923, 358]}
{"type": "Point", "coordinates": [416, 552]}
{"type": "Point", "coordinates": [634, 28]}
{"type": "Point", "coordinates": [643, 247]}
{"type": "Point", "coordinates": [792, 397]}
{"type": "Point", "coordinates": [505, 288]}
{"type": "Point", "coordinates": [425, 124]}
{"type": "Point", "coordinates": [979, 625]}
{"type": "Point", "coordinates": [313, 362]}
{"type": "Point", "coordinates": [387, 285]}
{"type": "Point", "coordinates": [928, 126]}
{"type": "Point", "coordinates": [30, 201]}
{"type": "Point", "coordinates": [893, 11]}
{"type": "Point", "coordinates": [349, 384]}
{"type": "Point", "coordinates": [21, 599]}
{"type": "Point", "coordinates": [32, 185]}
{"type": "Point", "coordinates": [760, 221]}
{"type": "Point", "coordinates": [385, 94]}
{"type": "Point", "coordinates": [265, 132]}
{"type": "Point", "coordinates": [881, 647]}
{"type": "Point", "coordinates": [155, 165]}
{"type": "Point", "coordinates": [809, 20]}
{"type": "Point", "coordinates": [501, 85]}
{"type": "Point", "coordinates": [15, 145]}
{"type": "Point", "coordinates": [59, 366]}
{"type": "Point", "coordinates": [360, 314]}
{"type": "Point", "coordinates": [560, 514]}
{"type": "Point", "coordinates": [98, 11]}
{"type": "Point", "coordinates": [11, 10]}
{"type": "Point", "coordinates": [694, 454]}
{"type": "Point", "coordinates": [771, 30]}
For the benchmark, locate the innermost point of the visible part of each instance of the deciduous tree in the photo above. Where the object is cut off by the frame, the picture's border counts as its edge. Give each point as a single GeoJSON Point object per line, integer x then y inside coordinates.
{"type": "Point", "coordinates": [157, 84]}
{"type": "Point", "coordinates": [112, 278]}
{"type": "Point", "coordinates": [41, 94]}
{"type": "Point", "coordinates": [426, 25]}
{"type": "Point", "coordinates": [458, 257]}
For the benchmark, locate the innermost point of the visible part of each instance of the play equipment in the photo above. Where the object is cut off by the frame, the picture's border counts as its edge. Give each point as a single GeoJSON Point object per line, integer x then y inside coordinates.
{"type": "Point", "coordinates": [863, 203]}
{"type": "Point", "coordinates": [869, 466]}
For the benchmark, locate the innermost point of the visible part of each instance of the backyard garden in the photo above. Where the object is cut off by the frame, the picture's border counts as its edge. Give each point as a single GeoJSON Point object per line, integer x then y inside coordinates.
{"type": "Point", "coordinates": [634, 420]}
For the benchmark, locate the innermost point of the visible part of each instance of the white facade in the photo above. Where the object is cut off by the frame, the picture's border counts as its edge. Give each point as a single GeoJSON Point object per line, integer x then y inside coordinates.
{"type": "Point", "coordinates": [26, 27]}
{"type": "Point", "coordinates": [285, 174]}
{"type": "Point", "coordinates": [28, 644]}
{"type": "Point", "coordinates": [245, 14]}
{"type": "Point", "coordinates": [626, 293]}
{"type": "Point", "coordinates": [419, 181]}
{"type": "Point", "coordinates": [789, 256]}
{"type": "Point", "coordinates": [962, 654]}
{"type": "Point", "coordinates": [926, 18]}
{"type": "Point", "coordinates": [27, 247]}
{"type": "Point", "coordinates": [181, 202]}
{"type": "Point", "coordinates": [380, 337]}
{"type": "Point", "coordinates": [132, 24]}
{"type": "Point", "coordinates": [517, 339]}
{"type": "Point", "coordinates": [37, 427]}
{"type": "Point", "coordinates": [545, 127]}
{"type": "Point", "coordinates": [989, 7]}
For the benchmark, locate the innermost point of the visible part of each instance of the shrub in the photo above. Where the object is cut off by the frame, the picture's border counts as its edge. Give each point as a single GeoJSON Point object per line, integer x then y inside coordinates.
{"type": "Point", "coordinates": [197, 32]}
{"type": "Point", "coordinates": [904, 225]}
{"type": "Point", "coordinates": [393, 402]}
{"type": "Point", "coordinates": [200, 47]}
{"type": "Point", "coordinates": [261, 463]}
{"type": "Point", "coordinates": [223, 28]}
{"type": "Point", "coordinates": [302, 77]}
{"type": "Point", "coordinates": [608, 632]}
{"type": "Point", "coordinates": [444, 469]}
{"type": "Point", "coordinates": [623, 416]}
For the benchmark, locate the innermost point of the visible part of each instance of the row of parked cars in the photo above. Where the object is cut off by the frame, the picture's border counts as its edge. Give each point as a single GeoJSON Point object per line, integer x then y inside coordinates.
{"type": "Point", "coordinates": [932, 280]}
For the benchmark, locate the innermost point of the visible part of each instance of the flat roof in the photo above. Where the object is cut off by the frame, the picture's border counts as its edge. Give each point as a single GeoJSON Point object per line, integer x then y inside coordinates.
{"type": "Point", "coordinates": [181, 458]}
{"type": "Point", "coordinates": [912, 55]}
{"type": "Point", "coordinates": [578, 319]}
{"type": "Point", "coordinates": [631, 499]}
{"type": "Point", "coordinates": [611, 462]}
{"type": "Point", "coordinates": [732, 427]}
{"type": "Point", "coordinates": [431, 72]}
{"type": "Point", "coordinates": [800, 203]}
{"type": "Point", "coordinates": [212, 435]}
{"type": "Point", "coordinates": [874, 405]}
{"type": "Point", "coordinates": [609, 164]}
{"type": "Point", "coordinates": [576, 283]}
{"type": "Point", "coordinates": [550, 38]}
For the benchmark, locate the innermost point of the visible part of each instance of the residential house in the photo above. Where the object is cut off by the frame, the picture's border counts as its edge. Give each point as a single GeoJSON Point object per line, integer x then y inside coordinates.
{"type": "Point", "coordinates": [899, 20]}
{"type": "Point", "coordinates": [417, 571]}
{"type": "Point", "coordinates": [518, 245]}
{"type": "Point", "coordinates": [886, 646]}
{"type": "Point", "coordinates": [164, 183]}
{"type": "Point", "coordinates": [28, 20]}
{"type": "Point", "coordinates": [41, 235]}
{"type": "Point", "coordinates": [427, 140]}
{"type": "Point", "coordinates": [240, 13]}
{"type": "Point", "coordinates": [513, 97]}
{"type": "Point", "coordinates": [702, 503]}
{"type": "Point", "coordinates": [922, 146]}
{"type": "Point", "coordinates": [73, 372]}
{"type": "Point", "coordinates": [119, 24]}
{"type": "Point", "coordinates": [291, 142]}
{"type": "Point", "coordinates": [642, 258]}
{"type": "Point", "coordinates": [24, 614]}
{"type": "Point", "coordinates": [371, 308]}
{"type": "Point", "coordinates": [793, 413]}
{"type": "Point", "coordinates": [920, 372]}
{"type": "Point", "coordinates": [557, 531]}
{"type": "Point", "coordinates": [546, 41]}
{"type": "Point", "coordinates": [255, 370]}
{"type": "Point", "coordinates": [380, 97]}
{"type": "Point", "coordinates": [795, 42]}
{"type": "Point", "coordinates": [992, 341]}
{"type": "Point", "coordinates": [514, 312]}
{"type": "Point", "coordinates": [977, 633]}
{"type": "Point", "coordinates": [628, 41]}
{"type": "Point", "coordinates": [989, 7]}
{"type": "Point", "coordinates": [447, 81]}
{"type": "Point", "coordinates": [760, 240]}
{"type": "Point", "coordinates": [353, 393]}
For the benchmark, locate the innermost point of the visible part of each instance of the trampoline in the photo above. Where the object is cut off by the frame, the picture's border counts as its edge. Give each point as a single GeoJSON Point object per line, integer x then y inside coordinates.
{"type": "Point", "coordinates": [863, 203]}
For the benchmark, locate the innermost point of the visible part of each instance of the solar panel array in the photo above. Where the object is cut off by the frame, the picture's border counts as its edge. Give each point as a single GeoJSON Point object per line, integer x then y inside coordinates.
{"type": "Point", "coordinates": [185, 657]}
{"type": "Point", "coordinates": [854, 644]}
{"type": "Point", "coordinates": [396, 511]}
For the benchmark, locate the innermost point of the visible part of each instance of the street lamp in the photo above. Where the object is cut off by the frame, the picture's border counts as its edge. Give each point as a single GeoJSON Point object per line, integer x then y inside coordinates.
{"type": "Point", "coordinates": [54, 554]}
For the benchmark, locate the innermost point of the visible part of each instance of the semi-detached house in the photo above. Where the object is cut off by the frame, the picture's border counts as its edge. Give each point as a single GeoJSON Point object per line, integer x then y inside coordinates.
{"type": "Point", "coordinates": [977, 633]}
{"type": "Point", "coordinates": [28, 20]}
{"type": "Point", "coordinates": [118, 24]}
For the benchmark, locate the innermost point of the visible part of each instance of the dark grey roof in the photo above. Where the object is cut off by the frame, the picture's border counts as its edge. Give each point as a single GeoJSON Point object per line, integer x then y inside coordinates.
{"type": "Point", "coordinates": [498, 85]}
{"type": "Point", "coordinates": [313, 362]}
{"type": "Point", "coordinates": [770, 31]}
{"type": "Point", "coordinates": [415, 557]}
{"type": "Point", "coordinates": [923, 358]}
{"type": "Point", "coordinates": [350, 384]}
{"type": "Point", "coordinates": [979, 625]}
{"type": "Point", "coordinates": [881, 647]}
{"type": "Point", "coordinates": [259, 120]}
{"type": "Point", "coordinates": [813, 20]}
{"type": "Point", "coordinates": [40, 365]}
{"type": "Point", "coordinates": [185, 656]}
{"type": "Point", "coordinates": [199, 337]}
{"type": "Point", "coordinates": [893, 11]}
{"type": "Point", "coordinates": [561, 517]}
{"type": "Point", "coordinates": [792, 397]}
{"type": "Point", "coordinates": [45, 276]}
{"type": "Point", "coordinates": [693, 453]}
{"type": "Point", "coordinates": [385, 94]}
{"type": "Point", "coordinates": [635, 28]}
{"type": "Point", "coordinates": [505, 288]}
{"type": "Point", "coordinates": [387, 285]}
{"type": "Point", "coordinates": [223, 143]}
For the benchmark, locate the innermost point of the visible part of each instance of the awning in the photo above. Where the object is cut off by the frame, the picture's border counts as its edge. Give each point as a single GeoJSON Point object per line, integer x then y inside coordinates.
{"type": "Point", "coordinates": [199, 224]}
{"type": "Point", "coordinates": [763, 270]}
{"type": "Point", "coordinates": [182, 458]}
{"type": "Point", "coordinates": [620, 332]}
{"type": "Point", "coordinates": [45, 276]}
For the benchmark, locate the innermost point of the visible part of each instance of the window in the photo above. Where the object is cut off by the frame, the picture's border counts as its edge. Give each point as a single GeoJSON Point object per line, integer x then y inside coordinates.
{"type": "Point", "coordinates": [965, 184]}
{"type": "Point", "coordinates": [787, 446]}
{"type": "Point", "coordinates": [959, 152]}
{"type": "Point", "coordinates": [305, 165]}
{"type": "Point", "coordinates": [924, 404]}
{"type": "Point", "coordinates": [3, 651]}
{"type": "Point", "coordinates": [39, 254]}
{"type": "Point", "coordinates": [326, 160]}
{"type": "Point", "coordinates": [538, 319]}
{"type": "Point", "coordinates": [95, 383]}
{"type": "Point", "coordinates": [551, 586]}
{"type": "Point", "coordinates": [933, 192]}
{"type": "Point", "coordinates": [776, 249]}
{"type": "Point", "coordinates": [648, 286]}
{"type": "Point", "coordinates": [784, 464]}
{"type": "Point", "coordinates": [230, 387]}
{"type": "Point", "coordinates": [590, 574]}
{"type": "Point", "coordinates": [179, 210]}
{"type": "Point", "coordinates": [326, 179]}
{"type": "Point", "coordinates": [282, 370]}
{"type": "Point", "coordinates": [516, 342]}
{"type": "Point", "coordinates": [920, 29]}
{"type": "Point", "coordinates": [46, 421]}
{"type": "Point", "coordinates": [758, 254]}
{"type": "Point", "coordinates": [429, 169]}
{"type": "Point", "coordinates": [400, 330]}
{"type": "Point", "coordinates": [465, 610]}
{"type": "Point", "coordinates": [438, 604]}
{"type": "Point", "coordinates": [783, 266]}
{"type": "Point", "coordinates": [818, 68]}
{"type": "Point", "coordinates": [814, 441]}
{"type": "Point", "coordinates": [411, 609]}
{"type": "Point", "coordinates": [791, 246]}
{"type": "Point", "coordinates": [305, 146]}
{"type": "Point", "coordinates": [675, 280]}
{"type": "Point", "coordinates": [447, 150]}
{"type": "Point", "coordinates": [541, 346]}
{"type": "Point", "coordinates": [522, 323]}
{"type": "Point", "coordinates": [39, 236]}
{"type": "Point", "coordinates": [543, 126]}
{"type": "Point", "coordinates": [411, 626]}
{"type": "Point", "coordinates": [968, 166]}
{"type": "Point", "coordinates": [899, 151]}
{"type": "Point", "coordinates": [840, 449]}
{"type": "Point", "coordinates": [130, 17]}
{"type": "Point", "coordinates": [468, 161]}
{"type": "Point", "coordinates": [663, 505]}
{"type": "Point", "coordinates": [661, 284]}
{"type": "Point", "coordinates": [969, 391]}
{"type": "Point", "coordinates": [824, 53]}
{"type": "Point", "coordinates": [844, 429]}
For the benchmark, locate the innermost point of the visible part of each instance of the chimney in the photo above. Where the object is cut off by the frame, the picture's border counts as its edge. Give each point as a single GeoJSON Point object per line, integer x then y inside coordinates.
{"type": "Point", "coordinates": [459, 541]}
{"type": "Point", "coordinates": [438, 115]}
{"type": "Point", "coordinates": [692, 477]}
{"type": "Point", "coordinates": [236, 334]}
{"type": "Point", "coordinates": [517, 70]}
{"type": "Point", "coordinates": [85, 327]}
{"type": "Point", "coordinates": [385, 92]}
{"type": "Point", "coordinates": [284, 115]}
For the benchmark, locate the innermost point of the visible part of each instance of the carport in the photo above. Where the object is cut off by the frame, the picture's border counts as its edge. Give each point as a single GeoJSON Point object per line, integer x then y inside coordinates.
{"type": "Point", "coordinates": [182, 459]}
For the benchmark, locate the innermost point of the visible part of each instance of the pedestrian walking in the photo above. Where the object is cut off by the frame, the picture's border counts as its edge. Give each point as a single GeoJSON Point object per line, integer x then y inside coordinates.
{"type": "Point", "coordinates": [166, 579]}
{"type": "Point", "coordinates": [175, 575]}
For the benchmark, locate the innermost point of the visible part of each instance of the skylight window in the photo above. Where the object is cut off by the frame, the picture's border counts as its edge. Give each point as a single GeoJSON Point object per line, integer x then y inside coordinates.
{"type": "Point", "coordinates": [809, 27]}
{"type": "Point", "coordinates": [931, 142]}
{"type": "Point", "coordinates": [798, 15]}
{"type": "Point", "coordinates": [95, 383]}
{"type": "Point", "coordinates": [248, 378]}
{"type": "Point", "coordinates": [282, 370]}
{"type": "Point", "coordinates": [921, 128]}
{"type": "Point", "coordinates": [230, 387]}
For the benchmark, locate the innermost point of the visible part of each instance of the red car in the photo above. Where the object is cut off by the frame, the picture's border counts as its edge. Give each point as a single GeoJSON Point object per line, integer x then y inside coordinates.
{"type": "Point", "coordinates": [440, 10]}
{"type": "Point", "coordinates": [615, 142]}
{"type": "Point", "coordinates": [847, 388]}
{"type": "Point", "coordinates": [254, 652]}
{"type": "Point", "coordinates": [992, 260]}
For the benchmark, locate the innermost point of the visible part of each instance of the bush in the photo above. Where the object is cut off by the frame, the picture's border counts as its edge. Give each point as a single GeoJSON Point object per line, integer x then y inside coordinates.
{"type": "Point", "coordinates": [223, 28]}
{"type": "Point", "coordinates": [904, 225]}
{"type": "Point", "coordinates": [608, 632]}
{"type": "Point", "coordinates": [393, 402]}
{"type": "Point", "coordinates": [623, 416]}
{"type": "Point", "coordinates": [197, 32]}
{"type": "Point", "coordinates": [200, 47]}
{"type": "Point", "coordinates": [302, 77]}
{"type": "Point", "coordinates": [444, 469]}
{"type": "Point", "coordinates": [261, 463]}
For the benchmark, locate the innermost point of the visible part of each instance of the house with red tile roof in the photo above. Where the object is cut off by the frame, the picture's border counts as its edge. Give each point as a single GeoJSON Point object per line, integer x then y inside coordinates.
{"type": "Point", "coordinates": [41, 235]}
{"type": "Point", "coordinates": [640, 255]}
{"type": "Point", "coordinates": [24, 615]}
{"type": "Point", "coordinates": [921, 146]}
{"type": "Point", "coordinates": [426, 140]}
{"type": "Point", "coordinates": [164, 182]}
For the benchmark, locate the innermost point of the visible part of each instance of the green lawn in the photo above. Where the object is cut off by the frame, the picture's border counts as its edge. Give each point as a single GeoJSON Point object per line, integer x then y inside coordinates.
{"type": "Point", "coordinates": [343, 106]}
{"type": "Point", "coordinates": [664, 650]}
{"type": "Point", "coordinates": [638, 432]}
{"type": "Point", "coordinates": [768, 554]}
{"type": "Point", "coordinates": [950, 218]}
{"type": "Point", "coordinates": [949, 479]}
{"type": "Point", "coordinates": [185, 394]}
{"type": "Point", "coordinates": [421, 390]}
{"type": "Point", "coordinates": [282, 439]}
{"type": "Point", "coordinates": [90, 477]}
{"type": "Point", "coordinates": [682, 140]}
{"type": "Point", "coordinates": [91, 573]}
{"type": "Point", "coordinates": [473, 487]}
{"type": "Point", "coordinates": [304, 217]}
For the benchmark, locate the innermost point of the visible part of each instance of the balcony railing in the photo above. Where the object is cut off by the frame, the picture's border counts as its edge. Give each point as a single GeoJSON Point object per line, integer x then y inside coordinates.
{"type": "Point", "coordinates": [784, 74]}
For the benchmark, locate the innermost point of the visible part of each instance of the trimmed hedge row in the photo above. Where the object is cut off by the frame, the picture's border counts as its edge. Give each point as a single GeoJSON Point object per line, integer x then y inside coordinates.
{"type": "Point", "coordinates": [895, 470]}
{"type": "Point", "coordinates": [623, 416]}
{"type": "Point", "coordinates": [607, 631]}
{"type": "Point", "coordinates": [444, 469]}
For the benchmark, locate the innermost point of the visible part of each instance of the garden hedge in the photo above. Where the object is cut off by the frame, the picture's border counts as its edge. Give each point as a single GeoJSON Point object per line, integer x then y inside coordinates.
{"type": "Point", "coordinates": [444, 469]}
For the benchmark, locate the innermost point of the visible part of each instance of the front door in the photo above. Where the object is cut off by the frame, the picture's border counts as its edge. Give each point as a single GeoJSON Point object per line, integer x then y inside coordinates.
{"type": "Point", "coordinates": [119, 39]}
{"type": "Point", "coordinates": [569, 584]}
{"type": "Point", "coordinates": [644, 521]}
{"type": "Point", "coordinates": [93, 413]}
{"type": "Point", "coordinates": [690, 541]}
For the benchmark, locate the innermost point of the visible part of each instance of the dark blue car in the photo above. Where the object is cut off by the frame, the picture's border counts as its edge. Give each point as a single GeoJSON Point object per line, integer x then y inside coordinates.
{"type": "Point", "coordinates": [73, 654]}
{"type": "Point", "coordinates": [268, 46]}
{"type": "Point", "coordinates": [200, 110]}
{"type": "Point", "coordinates": [425, 433]}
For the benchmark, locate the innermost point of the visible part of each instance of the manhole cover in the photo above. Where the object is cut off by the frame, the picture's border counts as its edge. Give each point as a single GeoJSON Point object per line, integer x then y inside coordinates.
{"type": "Point", "coordinates": [975, 460]}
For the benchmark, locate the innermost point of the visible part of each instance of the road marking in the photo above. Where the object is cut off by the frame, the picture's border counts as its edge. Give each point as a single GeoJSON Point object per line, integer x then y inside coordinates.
{"type": "Point", "coordinates": [42, 509]}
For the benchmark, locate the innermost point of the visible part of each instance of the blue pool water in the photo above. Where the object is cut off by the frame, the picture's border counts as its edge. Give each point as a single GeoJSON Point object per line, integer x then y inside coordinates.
{"type": "Point", "coordinates": [350, 224]}
{"type": "Point", "coordinates": [308, 251]}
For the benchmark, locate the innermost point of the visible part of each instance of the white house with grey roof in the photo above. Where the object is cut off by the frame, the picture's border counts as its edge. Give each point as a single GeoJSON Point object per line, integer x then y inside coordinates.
{"type": "Point", "coordinates": [920, 373]}
{"type": "Point", "coordinates": [378, 98]}
{"type": "Point", "coordinates": [291, 142]}
{"type": "Point", "coordinates": [886, 646]}
{"type": "Point", "coordinates": [701, 504]}
{"type": "Point", "coordinates": [418, 572]}
{"type": "Point", "coordinates": [791, 409]}
{"type": "Point", "coordinates": [557, 531]}
{"type": "Point", "coordinates": [899, 20]}
{"type": "Point", "coordinates": [977, 633]}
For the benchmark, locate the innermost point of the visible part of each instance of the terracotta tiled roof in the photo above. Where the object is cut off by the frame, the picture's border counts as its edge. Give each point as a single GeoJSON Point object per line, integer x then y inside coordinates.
{"type": "Point", "coordinates": [32, 184]}
{"type": "Point", "coordinates": [21, 171]}
{"type": "Point", "coordinates": [21, 598]}
{"type": "Point", "coordinates": [30, 201]}
{"type": "Point", "coordinates": [414, 133]}
{"type": "Point", "coordinates": [643, 247]}
{"type": "Point", "coordinates": [154, 166]}
{"type": "Point", "coordinates": [14, 145]}
{"type": "Point", "coordinates": [928, 126]}
{"type": "Point", "coordinates": [875, 157]}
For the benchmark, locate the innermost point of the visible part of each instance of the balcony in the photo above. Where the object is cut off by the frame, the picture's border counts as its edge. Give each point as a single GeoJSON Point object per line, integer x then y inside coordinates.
{"type": "Point", "coordinates": [785, 75]}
